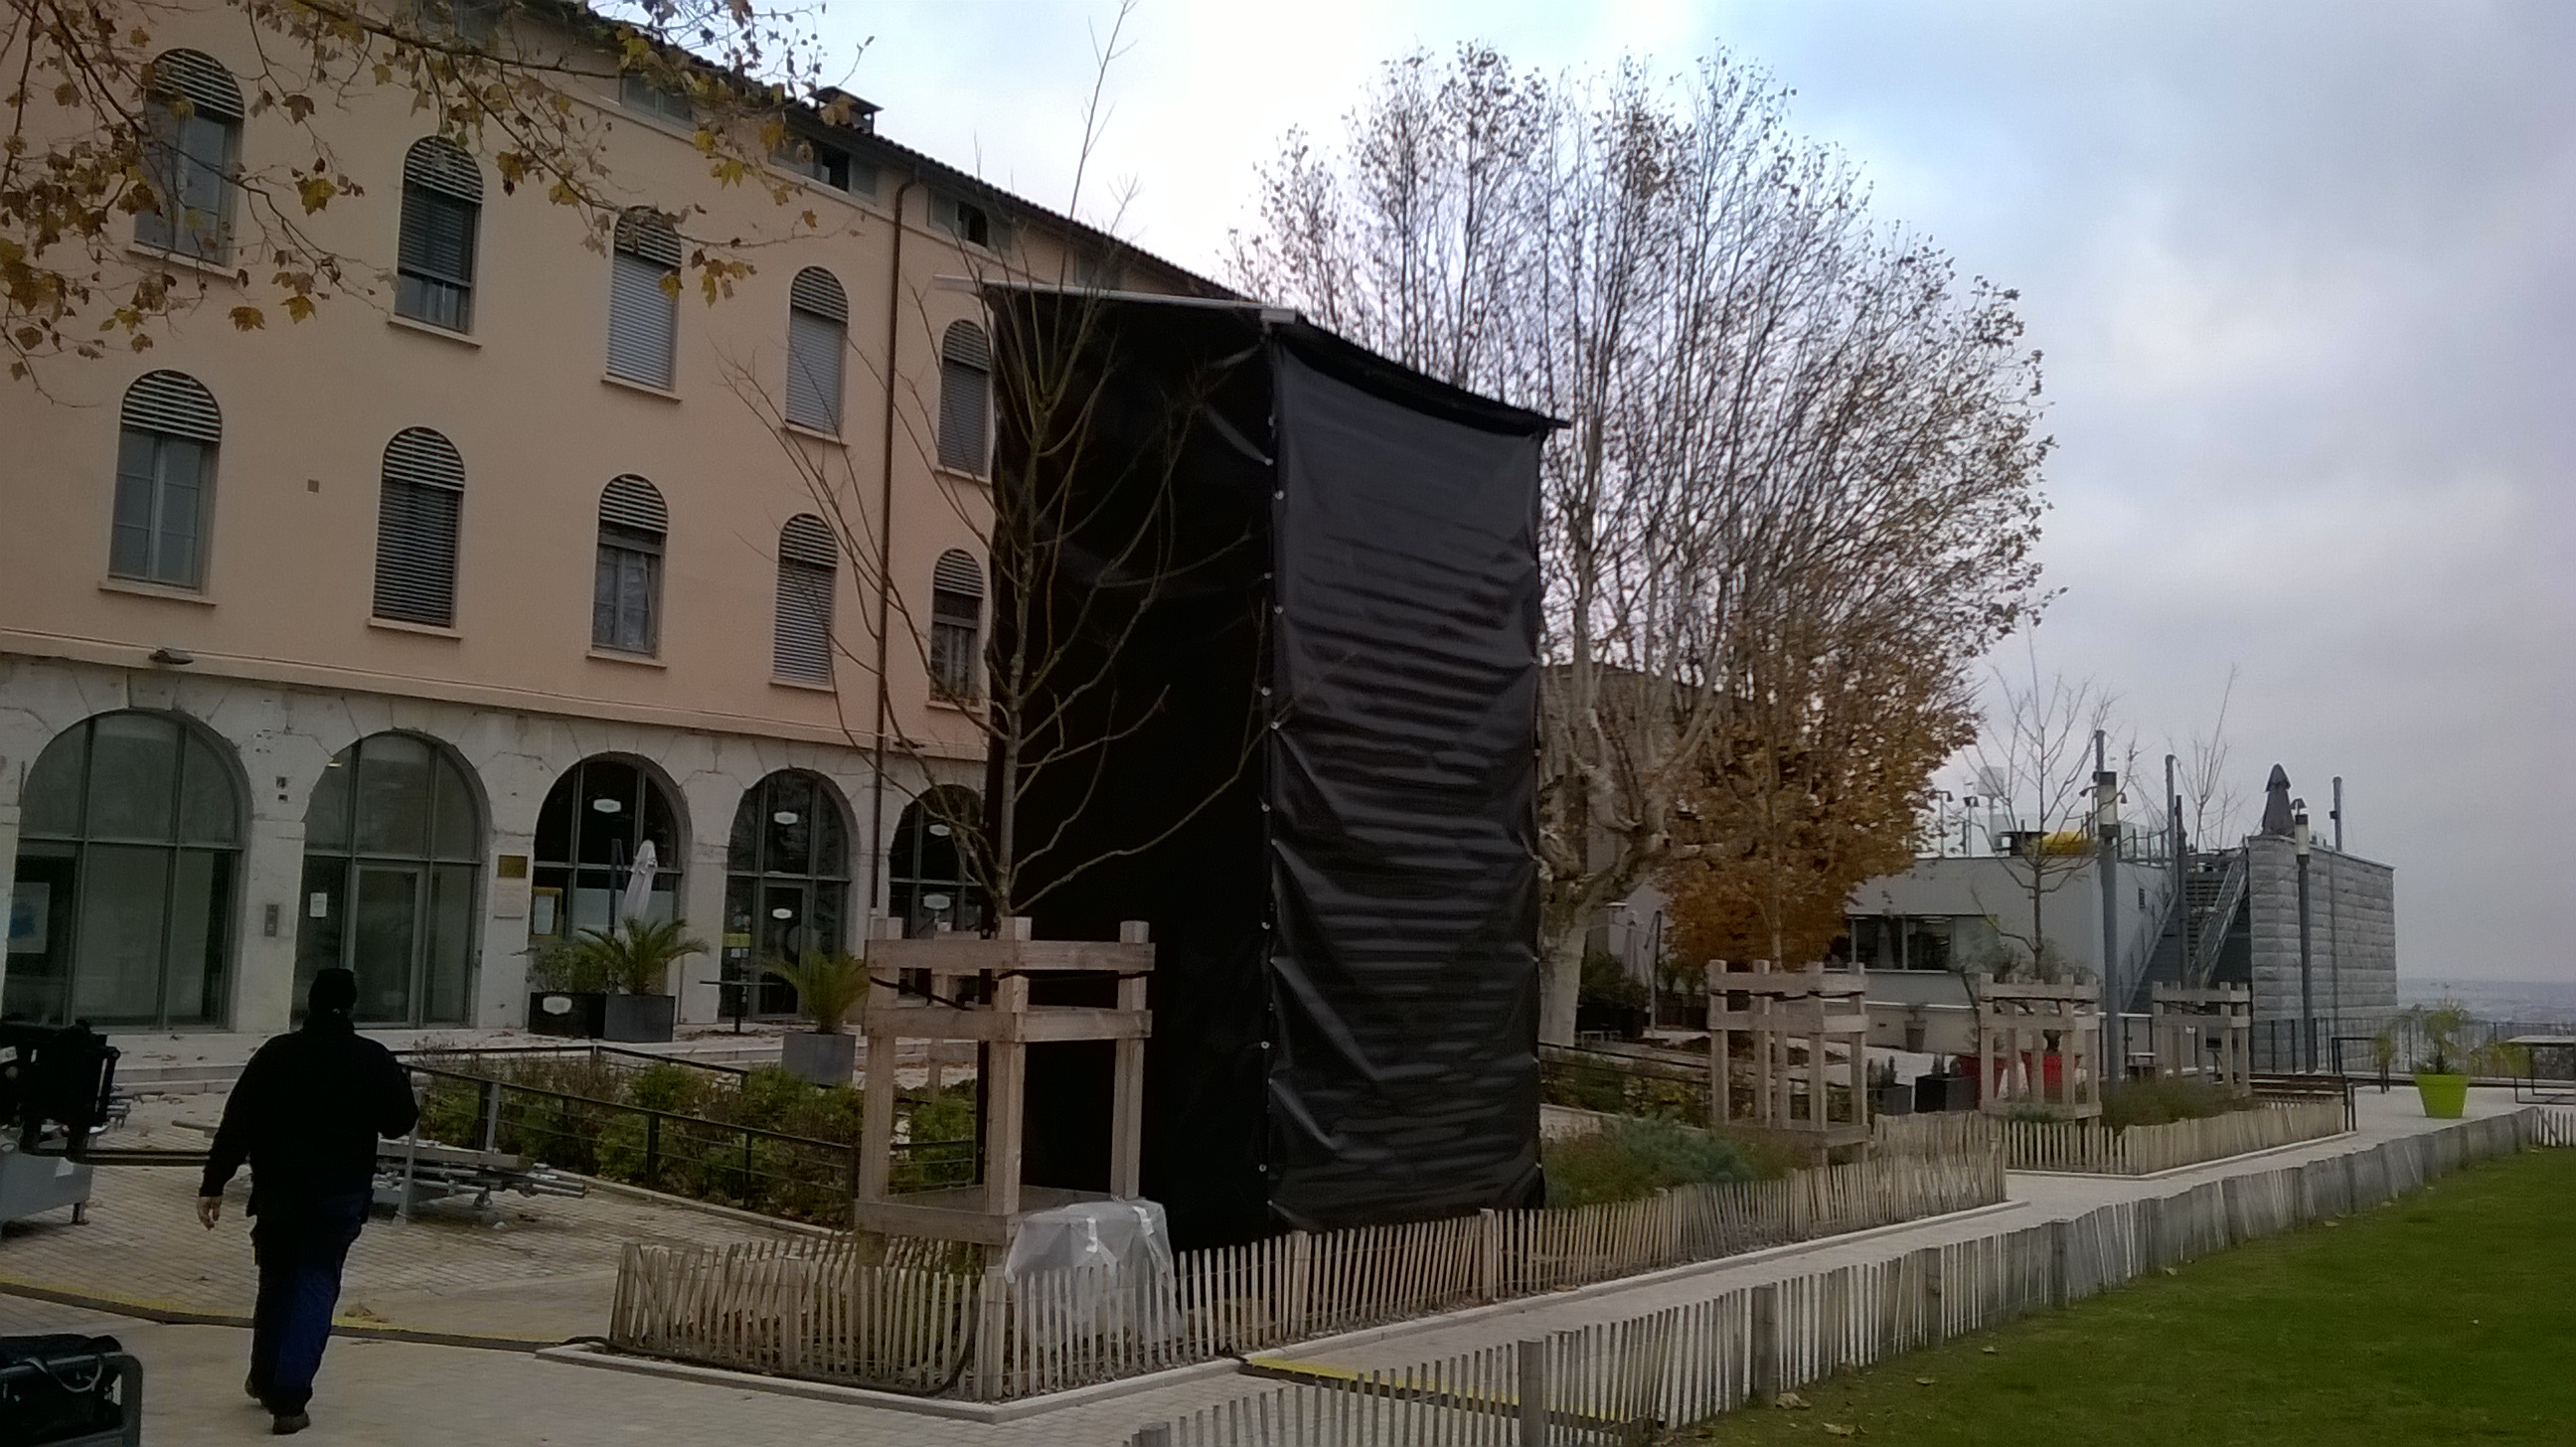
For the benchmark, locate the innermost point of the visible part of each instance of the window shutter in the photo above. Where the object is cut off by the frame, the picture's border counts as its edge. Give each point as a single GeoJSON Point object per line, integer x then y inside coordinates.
{"type": "Point", "coordinates": [965, 396]}
{"type": "Point", "coordinates": [201, 80]}
{"type": "Point", "coordinates": [818, 291]}
{"type": "Point", "coordinates": [643, 321]}
{"type": "Point", "coordinates": [416, 529]}
{"type": "Point", "coordinates": [814, 347]}
{"type": "Point", "coordinates": [632, 502]}
{"type": "Point", "coordinates": [436, 163]}
{"type": "Point", "coordinates": [173, 403]}
{"type": "Point", "coordinates": [956, 573]}
{"type": "Point", "coordinates": [438, 236]}
{"type": "Point", "coordinates": [803, 650]}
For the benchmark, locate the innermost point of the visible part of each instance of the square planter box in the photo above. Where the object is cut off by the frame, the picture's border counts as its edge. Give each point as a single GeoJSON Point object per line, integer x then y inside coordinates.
{"type": "Point", "coordinates": [1944, 1092]}
{"type": "Point", "coordinates": [1894, 1100]}
{"type": "Point", "coordinates": [639, 1019]}
{"type": "Point", "coordinates": [819, 1059]}
{"type": "Point", "coordinates": [578, 1015]}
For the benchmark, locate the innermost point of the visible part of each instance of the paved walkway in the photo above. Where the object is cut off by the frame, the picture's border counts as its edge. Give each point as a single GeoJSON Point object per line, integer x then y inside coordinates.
{"type": "Point", "coordinates": [546, 1271]}
{"type": "Point", "coordinates": [398, 1394]}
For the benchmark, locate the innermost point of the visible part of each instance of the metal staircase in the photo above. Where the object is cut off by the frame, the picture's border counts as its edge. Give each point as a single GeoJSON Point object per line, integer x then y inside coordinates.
{"type": "Point", "coordinates": [2211, 898]}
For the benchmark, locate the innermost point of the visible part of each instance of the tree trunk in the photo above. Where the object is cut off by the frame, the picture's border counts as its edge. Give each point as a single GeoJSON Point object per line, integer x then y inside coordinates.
{"type": "Point", "coordinates": [1560, 982]}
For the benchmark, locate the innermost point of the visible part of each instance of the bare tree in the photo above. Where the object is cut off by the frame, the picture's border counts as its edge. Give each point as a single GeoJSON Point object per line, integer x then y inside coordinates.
{"type": "Point", "coordinates": [2034, 759]}
{"type": "Point", "coordinates": [1077, 517]}
{"type": "Point", "coordinates": [1771, 403]}
{"type": "Point", "coordinates": [2210, 798]}
{"type": "Point", "coordinates": [94, 134]}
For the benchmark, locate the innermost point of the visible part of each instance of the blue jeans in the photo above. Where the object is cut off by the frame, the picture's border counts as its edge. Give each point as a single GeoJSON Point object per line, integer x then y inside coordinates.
{"type": "Point", "coordinates": [300, 1245]}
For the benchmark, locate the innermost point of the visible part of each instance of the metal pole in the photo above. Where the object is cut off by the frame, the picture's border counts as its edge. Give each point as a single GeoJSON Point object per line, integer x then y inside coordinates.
{"type": "Point", "coordinates": [2338, 813]}
{"type": "Point", "coordinates": [2307, 981]}
{"type": "Point", "coordinates": [2181, 848]}
{"type": "Point", "coordinates": [2106, 857]}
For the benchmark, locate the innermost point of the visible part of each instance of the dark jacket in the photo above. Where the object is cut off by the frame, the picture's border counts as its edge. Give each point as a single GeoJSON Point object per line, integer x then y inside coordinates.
{"type": "Point", "coordinates": [306, 1114]}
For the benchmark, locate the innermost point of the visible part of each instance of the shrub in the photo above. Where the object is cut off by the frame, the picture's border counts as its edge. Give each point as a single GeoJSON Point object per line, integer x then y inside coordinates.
{"type": "Point", "coordinates": [2164, 1100]}
{"type": "Point", "coordinates": [1631, 1159]}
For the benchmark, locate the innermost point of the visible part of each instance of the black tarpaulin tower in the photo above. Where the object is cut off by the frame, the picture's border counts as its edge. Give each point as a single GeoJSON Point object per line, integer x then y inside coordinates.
{"type": "Point", "coordinates": [1322, 713]}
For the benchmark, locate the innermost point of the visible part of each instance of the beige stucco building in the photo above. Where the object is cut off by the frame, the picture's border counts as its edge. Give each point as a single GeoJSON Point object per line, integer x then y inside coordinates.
{"type": "Point", "coordinates": [389, 637]}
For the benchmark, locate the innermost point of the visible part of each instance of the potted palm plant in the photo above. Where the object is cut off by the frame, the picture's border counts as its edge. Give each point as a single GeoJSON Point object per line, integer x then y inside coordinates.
{"type": "Point", "coordinates": [635, 958]}
{"type": "Point", "coordinates": [828, 985]}
{"type": "Point", "coordinates": [2442, 1080]}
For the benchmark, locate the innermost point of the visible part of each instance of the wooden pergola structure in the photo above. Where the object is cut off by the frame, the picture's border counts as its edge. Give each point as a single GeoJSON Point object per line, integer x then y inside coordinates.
{"type": "Point", "coordinates": [965, 987]}
{"type": "Point", "coordinates": [1803, 1028]}
{"type": "Point", "coordinates": [2206, 1035]}
{"type": "Point", "coordinates": [2039, 1046]}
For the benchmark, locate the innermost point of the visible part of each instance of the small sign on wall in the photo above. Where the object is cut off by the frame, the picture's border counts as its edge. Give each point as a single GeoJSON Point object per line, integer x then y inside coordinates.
{"type": "Point", "coordinates": [510, 866]}
{"type": "Point", "coordinates": [31, 907]}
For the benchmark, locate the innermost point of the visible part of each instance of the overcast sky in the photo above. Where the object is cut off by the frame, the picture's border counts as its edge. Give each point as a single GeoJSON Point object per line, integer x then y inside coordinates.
{"type": "Point", "coordinates": [2306, 280]}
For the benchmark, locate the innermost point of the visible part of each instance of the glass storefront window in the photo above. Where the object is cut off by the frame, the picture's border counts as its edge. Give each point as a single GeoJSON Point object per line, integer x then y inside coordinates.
{"type": "Point", "coordinates": [787, 884]}
{"type": "Point", "coordinates": [122, 902]}
{"type": "Point", "coordinates": [392, 850]}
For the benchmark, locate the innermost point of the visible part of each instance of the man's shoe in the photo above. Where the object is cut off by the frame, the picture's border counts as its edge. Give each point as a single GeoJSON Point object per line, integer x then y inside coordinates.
{"type": "Point", "coordinates": [287, 1424]}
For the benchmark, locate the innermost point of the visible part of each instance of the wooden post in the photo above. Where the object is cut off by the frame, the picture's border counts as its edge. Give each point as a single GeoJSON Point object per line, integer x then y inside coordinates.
{"type": "Point", "coordinates": [1127, 1088]}
{"type": "Point", "coordinates": [1765, 1348]}
{"type": "Point", "coordinates": [1532, 1387]}
{"type": "Point", "coordinates": [992, 1317]}
{"type": "Point", "coordinates": [1300, 1287]}
{"type": "Point", "coordinates": [1154, 1434]}
{"type": "Point", "coordinates": [1489, 1253]}
{"type": "Point", "coordinates": [1936, 1307]}
{"type": "Point", "coordinates": [1005, 1103]}
{"type": "Point", "coordinates": [2060, 1290]}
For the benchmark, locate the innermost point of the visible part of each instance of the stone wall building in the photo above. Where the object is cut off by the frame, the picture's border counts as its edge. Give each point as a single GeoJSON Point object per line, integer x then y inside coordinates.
{"type": "Point", "coordinates": [2351, 977]}
{"type": "Point", "coordinates": [391, 637]}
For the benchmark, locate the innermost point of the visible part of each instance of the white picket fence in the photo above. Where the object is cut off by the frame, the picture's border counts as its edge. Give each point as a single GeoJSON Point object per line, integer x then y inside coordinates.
{"type": "Point", "coordinates": [1618, 1382]}
{"type": "Point", "coordinates": [816, 1309]}
{"type": "Point", "coordinates": [2089, 1147]}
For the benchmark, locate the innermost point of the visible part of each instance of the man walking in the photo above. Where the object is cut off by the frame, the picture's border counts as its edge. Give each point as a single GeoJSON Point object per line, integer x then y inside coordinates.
{"type": "Point", "coordinates": [306, 1114]}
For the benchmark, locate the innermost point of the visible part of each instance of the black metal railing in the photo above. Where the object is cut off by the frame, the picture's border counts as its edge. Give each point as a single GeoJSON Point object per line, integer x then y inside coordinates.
{"type": "Point", "coordinates": [752, 1167]}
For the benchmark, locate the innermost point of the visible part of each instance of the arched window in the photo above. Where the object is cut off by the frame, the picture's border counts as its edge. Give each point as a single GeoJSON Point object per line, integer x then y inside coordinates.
{"type": "Point", "coordinates": [927, 881]}
{"type": "Point", "coordinates": [802, 649]}
{"type": "Point", "coordinates": [165, 480]}
{"type": "Point", "coordinates": [416, 523]}
{"type": "Point", "coordinates": [956, 626]}
{"type": "Point", "coordinates": [194, 109]}
{"type": "Point", "coordinates": [644, 300]}
{"type": "Point", "coordinates": [393, 844]}
{"type": "Point", "coordinates": [595, 820]}
{"type": "Point", "coordinates": [626, 596]}
{"type": "Point", "coordinates": [129, 845]}
{"type": "Point", "coordinates": [787, 882]}
{"type": "Point", "coordinates": [818, 329]}
{"type": "Point", "coordinates": [965, 397]}
{"type": "Point", "coordinates": [442, 207]}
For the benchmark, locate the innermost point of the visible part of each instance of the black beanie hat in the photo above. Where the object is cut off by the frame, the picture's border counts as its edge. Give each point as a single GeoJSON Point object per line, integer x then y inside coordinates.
{"type": "Point", "coordinates": [335, 992]}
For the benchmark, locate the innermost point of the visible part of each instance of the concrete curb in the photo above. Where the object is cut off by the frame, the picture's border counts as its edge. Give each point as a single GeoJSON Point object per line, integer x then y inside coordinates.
{"type": "Point", "coordinates": [989, 1413]}
{"type": "Point", "coordinates": [164, 1314]}
{"type": "Point", "coordinates": [1468, 1315]}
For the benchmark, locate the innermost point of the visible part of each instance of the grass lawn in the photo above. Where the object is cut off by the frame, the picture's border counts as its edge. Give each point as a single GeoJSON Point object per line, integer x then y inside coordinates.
{"type": "Point", "coordinates": [2447, 1316]}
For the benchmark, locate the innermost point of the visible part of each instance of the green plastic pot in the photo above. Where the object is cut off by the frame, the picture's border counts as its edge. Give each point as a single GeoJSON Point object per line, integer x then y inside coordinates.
{"type": "Point", "coordinates": [2444, 1095]}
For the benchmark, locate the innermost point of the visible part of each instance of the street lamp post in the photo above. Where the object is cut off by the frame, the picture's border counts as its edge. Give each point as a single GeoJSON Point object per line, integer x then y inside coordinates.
{"type": "Point", "coordinates": [2106, 825]}
{"type": "Point", "coordinates": [2307, 984]}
